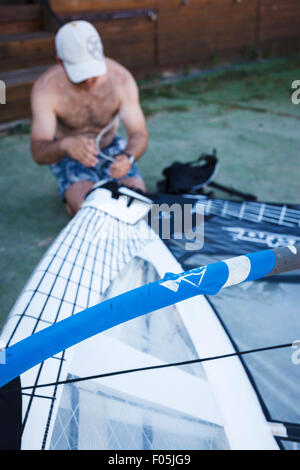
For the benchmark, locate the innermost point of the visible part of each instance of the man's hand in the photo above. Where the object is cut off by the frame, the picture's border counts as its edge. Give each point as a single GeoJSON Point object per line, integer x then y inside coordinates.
{"type": "Point", "coordinates": [81, 149]}
{"type": "Point", "coordinates": [120, 167]}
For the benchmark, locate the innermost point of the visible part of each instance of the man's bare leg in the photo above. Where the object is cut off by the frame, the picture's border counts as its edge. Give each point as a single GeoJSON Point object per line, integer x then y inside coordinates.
{"type": "Point", "coordinates": [134, 183]}
{"type": "Point", "coordinates": [75, 195]}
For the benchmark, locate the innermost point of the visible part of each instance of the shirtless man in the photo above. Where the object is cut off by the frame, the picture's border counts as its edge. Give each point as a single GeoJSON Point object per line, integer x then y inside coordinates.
{"type": "Point", "coordinates": [75, 100]}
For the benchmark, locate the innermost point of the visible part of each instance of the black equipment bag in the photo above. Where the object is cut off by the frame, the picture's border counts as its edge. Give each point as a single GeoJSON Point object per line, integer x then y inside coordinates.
{"type": "Point", "coordinates": [193, 177]}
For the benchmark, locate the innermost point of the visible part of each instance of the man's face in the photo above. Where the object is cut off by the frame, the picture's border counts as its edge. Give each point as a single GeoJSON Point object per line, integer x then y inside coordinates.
{"type": "Point", "coordinates": [86, 85]}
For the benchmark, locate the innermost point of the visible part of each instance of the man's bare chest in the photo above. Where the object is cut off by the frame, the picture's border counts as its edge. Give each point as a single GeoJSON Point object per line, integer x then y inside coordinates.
{"type": "Point", "coordinates": [87, 111]}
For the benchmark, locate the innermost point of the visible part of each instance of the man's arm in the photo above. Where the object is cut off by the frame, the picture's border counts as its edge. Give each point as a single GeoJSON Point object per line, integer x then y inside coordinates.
{"type": "Point", "coordinates": [45, 149]}
{"type": "Point", "coordinates": [135, 124]}
{"type": "Point", "coordinates": [134, 120]}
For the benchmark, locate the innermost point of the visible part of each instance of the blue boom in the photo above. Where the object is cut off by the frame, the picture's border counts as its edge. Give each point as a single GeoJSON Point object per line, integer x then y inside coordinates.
{"type": "Point", "coordinates": [206, 280]}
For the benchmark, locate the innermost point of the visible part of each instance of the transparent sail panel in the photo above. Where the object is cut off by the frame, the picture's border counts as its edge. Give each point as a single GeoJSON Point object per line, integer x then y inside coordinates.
{"type": "Point", "coordinates": [92, 416]}
{"type": "Point", "coordinates": [162, 333]}
{"type": "Point", "coordinates": [289, 445]}
{"type": "Point", "coordinates": [171, 408]}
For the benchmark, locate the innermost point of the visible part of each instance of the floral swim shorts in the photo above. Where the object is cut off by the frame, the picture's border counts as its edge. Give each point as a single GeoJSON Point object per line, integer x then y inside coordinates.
{"type": "Point", "coordinates": [69, 171]}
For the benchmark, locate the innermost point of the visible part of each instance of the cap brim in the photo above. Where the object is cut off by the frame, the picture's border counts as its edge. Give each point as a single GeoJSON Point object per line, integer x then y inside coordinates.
{"type": "Point", "coordinates": [80, 72]}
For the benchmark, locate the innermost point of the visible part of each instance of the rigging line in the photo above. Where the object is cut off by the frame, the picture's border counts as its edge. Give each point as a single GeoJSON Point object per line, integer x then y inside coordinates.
{"type": "Point", "coordinates": [161, 366]}
{"type": "Point", "coordinates": [114, 121]}
{"type": "Point", "coordinates": [244, 364]}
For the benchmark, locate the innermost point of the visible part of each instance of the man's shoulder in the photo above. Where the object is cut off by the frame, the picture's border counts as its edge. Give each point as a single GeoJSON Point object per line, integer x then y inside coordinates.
{"type": "Point", "coordinates": [47, 81]}
{"type": "Point", "coordinates": [118, 72]}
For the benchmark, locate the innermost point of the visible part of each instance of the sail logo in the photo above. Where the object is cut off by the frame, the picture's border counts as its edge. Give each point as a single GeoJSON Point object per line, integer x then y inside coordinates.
{"type": "Point", "coordinates": [271, 240]}
{"type": "Point", "coordinates": [2, 353]}
{"type": "Point", "coordinates": [193, 278]}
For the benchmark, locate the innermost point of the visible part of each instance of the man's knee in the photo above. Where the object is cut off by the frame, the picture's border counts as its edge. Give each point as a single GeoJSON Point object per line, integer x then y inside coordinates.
{"type": "Point", "coordinates": [75, 195]}
{"type": "Point", "coordinates": [134, 183]}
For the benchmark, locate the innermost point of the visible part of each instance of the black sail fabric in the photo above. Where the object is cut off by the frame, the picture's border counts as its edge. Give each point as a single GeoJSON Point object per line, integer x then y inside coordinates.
{"type": "Point", "coordinates": [256, 314]}
{"type": "Point", "coordinates": [11, 416]}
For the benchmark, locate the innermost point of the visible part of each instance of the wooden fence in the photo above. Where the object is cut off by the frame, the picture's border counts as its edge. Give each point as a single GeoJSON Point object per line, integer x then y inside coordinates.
{"type": "Point", "coordinates": [145, 36]}
{"type": "Point", "coordinates": [189, 31]}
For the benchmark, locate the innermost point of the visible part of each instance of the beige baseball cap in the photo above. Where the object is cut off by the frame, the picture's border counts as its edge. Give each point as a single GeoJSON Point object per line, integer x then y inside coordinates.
{"type": "Point", "coordinates": [79, 46]}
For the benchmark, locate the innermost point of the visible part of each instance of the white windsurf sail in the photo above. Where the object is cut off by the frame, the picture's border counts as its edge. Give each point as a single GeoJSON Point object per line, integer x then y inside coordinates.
{"type": "Point", "coordinates": [200, 406]}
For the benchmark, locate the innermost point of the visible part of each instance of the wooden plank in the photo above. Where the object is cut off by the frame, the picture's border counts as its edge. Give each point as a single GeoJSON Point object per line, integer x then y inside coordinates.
{"type": "Point", "coordinates": [123, 15]}
{"type": "Point", "coordinates": [130, 42]}
{"type": "Point", "coordinates": [196, 52]}
{"type": "Point", "coordinates": [280, 47]}
{"type": "Point", "coordinates": [15, 110]}
{"type": "Point", "coordinates": [27, 44]}
{"type": "Point", "coordinates": [18, 89]}
{"type": "Point", "coordinates": [20, 13]}
{"type": "Point", "coordinates": [211, 26]}
{"type": "Point", "coordinates": [18, 92]}
{"type": "Point", "coordinates": [172, 5]}
{"type": "Point", "coordinates": [18, 27]}
{"type": "Point", "coordinates": [279, 19]}
{"type": "Point", "coordinates": [183, 32]}
{"type": "Point", "coordinates": [138, 61]}
{"type": "Point", "coordinates": [17, 52]}
{"type": "Point", "coordinates": [11, 64]}
{"type": "Point", "coordinates": [20, 19]}
{"type": "Point", "coordinates": [131, 27]}
{"type": "Point", "coordinates": [75, 6]}
{"type": "Point", "coordinates": [21, 76]}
